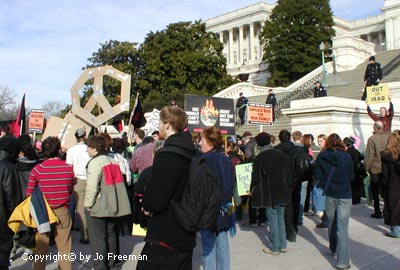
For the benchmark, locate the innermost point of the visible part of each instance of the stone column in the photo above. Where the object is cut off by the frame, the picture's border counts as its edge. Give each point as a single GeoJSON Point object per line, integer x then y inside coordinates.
{"type": "Point", "coordinates": [251, 49]}
{"type": "Point", "coordinates": [389, 29]}
{"type": "Point", "coordinates": [230, 46]}
{"type": "Point", "coordinates": [241, 59]}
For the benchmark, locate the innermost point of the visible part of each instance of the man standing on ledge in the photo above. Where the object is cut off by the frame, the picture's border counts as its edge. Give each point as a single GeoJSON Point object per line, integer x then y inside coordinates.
{"type": "Point", "coordinates": [373, 75]}
{"type": "Point", "coordinates": [240, 102]}
{"type": "Point", "coordinates": [319, 90]}
{"type": "Point", "coordinates": [271, 99]}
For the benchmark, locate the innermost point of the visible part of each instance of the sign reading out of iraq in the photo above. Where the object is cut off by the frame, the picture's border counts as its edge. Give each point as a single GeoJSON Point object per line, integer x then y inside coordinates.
{"type": "Point", "coordinates": [206, 112]}
{"type": "Point", "coordinates": [378, 94]}
{"type": "Point", "coordinates": [259, 113]}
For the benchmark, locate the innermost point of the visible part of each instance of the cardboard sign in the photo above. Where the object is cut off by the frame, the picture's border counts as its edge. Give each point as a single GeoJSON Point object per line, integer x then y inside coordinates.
{"type": "Point", "coordinates": [378, 94]}
{"type": "Point", "coordinates": [243, 178]}
{"type": "Point", "coordinates": [206, 112]}
{"type": "Point", "coordinates": [152, 122]}
{"type": "Point", "coordinates": [36, 121]}
{"type": "Point", "coordinates": [259, 113]}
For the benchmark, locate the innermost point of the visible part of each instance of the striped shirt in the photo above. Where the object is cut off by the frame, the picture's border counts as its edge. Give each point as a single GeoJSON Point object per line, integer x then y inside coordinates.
{"type": "Point", "coordinates": [55, 179]}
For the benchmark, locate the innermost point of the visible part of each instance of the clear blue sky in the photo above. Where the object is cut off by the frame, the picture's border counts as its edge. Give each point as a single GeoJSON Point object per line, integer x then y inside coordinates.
{"type": "Point", "coordinates": [45, 43]}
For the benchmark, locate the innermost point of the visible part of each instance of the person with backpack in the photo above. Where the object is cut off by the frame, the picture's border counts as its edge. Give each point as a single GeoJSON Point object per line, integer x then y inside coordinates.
{"type": "Point", "coordinates": [215, 242]}
{"type": "Point", "coordinates": [391, 185]}
{"type": "Point", "coordinates": [335, 169]}
{"type": "Point", "coordinates": [168, 245]}
{"type": "Point", "coordinates": [106, 200]}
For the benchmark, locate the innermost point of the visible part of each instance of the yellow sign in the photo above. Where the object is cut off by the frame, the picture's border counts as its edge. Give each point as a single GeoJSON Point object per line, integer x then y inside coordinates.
{"type": "Point", "coordinates": [378, 94]}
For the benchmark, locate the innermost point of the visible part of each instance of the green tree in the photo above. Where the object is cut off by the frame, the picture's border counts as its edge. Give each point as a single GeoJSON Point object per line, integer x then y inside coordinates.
{"type": "Point", "coordinates": [291, 37]}
{"type": "Point", "coordinates": [183, 58]}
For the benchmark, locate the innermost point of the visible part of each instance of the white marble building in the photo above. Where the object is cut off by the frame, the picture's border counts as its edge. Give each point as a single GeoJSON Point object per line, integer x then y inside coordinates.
{"type": "Point", "coordinates": [354, 41]}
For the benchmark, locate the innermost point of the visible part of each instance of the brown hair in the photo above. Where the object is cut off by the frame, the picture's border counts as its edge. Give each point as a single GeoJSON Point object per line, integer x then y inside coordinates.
{"type": "Point", "coordinates": [175, 116]}
{"type": "Point", "coordinates": [307, 140]}
{"type": "Point", "coordinates": [108, 140]}
{"type": "Point", "coordinates": [393, 145]}
{"type": "Point", "coordinates": [51, 147]}
{"type": "Point", "coordinates": [97, 142]}
{"type": "Point", "coordinates": [214, 137]}
{"type": "Point", "coordinates": [335, 142]}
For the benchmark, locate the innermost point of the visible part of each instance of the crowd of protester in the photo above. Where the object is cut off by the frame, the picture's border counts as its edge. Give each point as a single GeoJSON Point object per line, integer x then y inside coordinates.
{"type": "Point", "coordinates": [102, 186]}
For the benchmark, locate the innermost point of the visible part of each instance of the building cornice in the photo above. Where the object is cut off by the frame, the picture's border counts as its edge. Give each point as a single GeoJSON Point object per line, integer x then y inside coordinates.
{"type": "Point", "coordinates": [260, 8]}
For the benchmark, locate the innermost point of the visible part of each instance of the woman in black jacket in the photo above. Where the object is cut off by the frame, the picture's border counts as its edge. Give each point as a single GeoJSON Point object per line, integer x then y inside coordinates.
{"type": "Point", "coordinates": [391, 183]}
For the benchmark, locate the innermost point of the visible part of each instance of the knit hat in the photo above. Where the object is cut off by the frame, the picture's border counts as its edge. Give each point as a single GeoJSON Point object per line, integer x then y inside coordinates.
{"type": "Point", "coordinates": [11, 145]}
{"type": "Point", "coordinates": [349, 140]}
{"type": "Point", "coordinates": [263, 138]}
{"type": "Point", "coordinates": [80, 132]}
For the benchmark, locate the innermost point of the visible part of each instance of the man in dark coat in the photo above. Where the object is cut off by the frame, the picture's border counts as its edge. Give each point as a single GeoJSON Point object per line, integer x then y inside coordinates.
{"type": "Point", "coordinates": [240, 102]}
{"type": "Point", "coordinates": [271, 190]}
{"type": "Point", "coordinates": [319, 90]}
{"type": "Point", "coordinates": [357, 185]}
{"type": "Point", "coordinates": [372, 76]}
{"type": "Point", "coordinates": [271, 99]}
{"type": "Point", "coordinates": [289, 149]}
{"type": "Point", "coordinates": [168, 245]}
{"type": "Point", "coordinates": [10, 194]}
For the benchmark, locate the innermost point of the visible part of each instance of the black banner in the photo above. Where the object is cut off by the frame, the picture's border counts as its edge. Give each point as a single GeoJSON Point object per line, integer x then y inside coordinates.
{"type": "Point", "coordinates": [205, 112]}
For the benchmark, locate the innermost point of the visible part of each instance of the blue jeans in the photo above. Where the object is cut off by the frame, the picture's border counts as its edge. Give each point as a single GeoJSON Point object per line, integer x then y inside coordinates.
{"type": "Point", "coordinates": [338, 215]}
{"type": "Point", "coordinates": [215, 250]}
{"type": "Point", "coordinates": [318, 199]}
{"type": "Point", "coordinates": [277, 233]}
{"type": "Point", "coordinates": [395, 231]}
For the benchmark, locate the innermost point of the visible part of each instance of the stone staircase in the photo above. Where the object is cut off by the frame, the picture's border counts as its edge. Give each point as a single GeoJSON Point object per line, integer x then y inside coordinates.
{"type": "Point", "coordinates": [348, 84]}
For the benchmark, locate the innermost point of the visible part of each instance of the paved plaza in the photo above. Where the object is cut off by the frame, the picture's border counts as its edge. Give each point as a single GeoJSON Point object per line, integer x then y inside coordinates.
{"type": "Point", "coordinates": [369, 248]}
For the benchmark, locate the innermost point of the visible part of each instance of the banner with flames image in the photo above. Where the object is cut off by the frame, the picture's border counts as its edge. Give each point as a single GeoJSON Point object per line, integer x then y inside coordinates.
{"type": "Point", "coordinates": [206, 112]}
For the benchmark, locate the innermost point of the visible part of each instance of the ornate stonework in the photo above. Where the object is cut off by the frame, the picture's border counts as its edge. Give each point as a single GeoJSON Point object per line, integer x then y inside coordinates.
{"type": "Point", "coordinates": [239, 32]}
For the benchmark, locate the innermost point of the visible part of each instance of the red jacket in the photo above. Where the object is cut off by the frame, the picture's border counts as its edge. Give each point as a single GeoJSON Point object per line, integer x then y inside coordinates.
{"type": "Point", "coordinates": [386, 120]}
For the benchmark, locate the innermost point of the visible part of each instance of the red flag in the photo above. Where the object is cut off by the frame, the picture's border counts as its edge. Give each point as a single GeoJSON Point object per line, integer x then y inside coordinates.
{"type": "Point", "coordinates": [18, 126]}
{"type": "Point", "coordinates": [118, 122]}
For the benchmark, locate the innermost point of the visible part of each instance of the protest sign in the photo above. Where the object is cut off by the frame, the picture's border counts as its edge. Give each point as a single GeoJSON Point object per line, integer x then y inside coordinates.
{"type": "Point", "coordinates": [243, 178]}
{"type": "Point", "coordinates": [206, 111]}
{"type": "Point", "coordinates": [259, 113]}
{"type": "Point", "coordinates": [378, 94]}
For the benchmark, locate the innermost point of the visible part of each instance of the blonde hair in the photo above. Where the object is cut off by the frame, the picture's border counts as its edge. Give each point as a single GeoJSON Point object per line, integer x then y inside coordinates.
{"type": "Point", "coordinates": [393, 145]}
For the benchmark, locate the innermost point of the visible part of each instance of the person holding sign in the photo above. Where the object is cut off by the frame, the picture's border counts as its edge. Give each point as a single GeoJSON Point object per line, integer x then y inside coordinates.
{"type": "Point", "coordinates": [372, 76]}
{"type": "Point", "coordinates": [385, 116]}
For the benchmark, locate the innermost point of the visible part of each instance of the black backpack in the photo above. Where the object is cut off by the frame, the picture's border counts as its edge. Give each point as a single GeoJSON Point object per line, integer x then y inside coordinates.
{"type": "Point", "coordinates": [202, 196]}
{"type": "Point", "coordinates": [302, 164]}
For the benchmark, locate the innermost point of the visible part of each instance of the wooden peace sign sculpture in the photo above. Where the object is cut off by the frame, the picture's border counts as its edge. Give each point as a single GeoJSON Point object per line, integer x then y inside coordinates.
{"type": "Point", "coordinates": [97, 98]}
{"type": "Point", "coordinates": [81, 117]}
